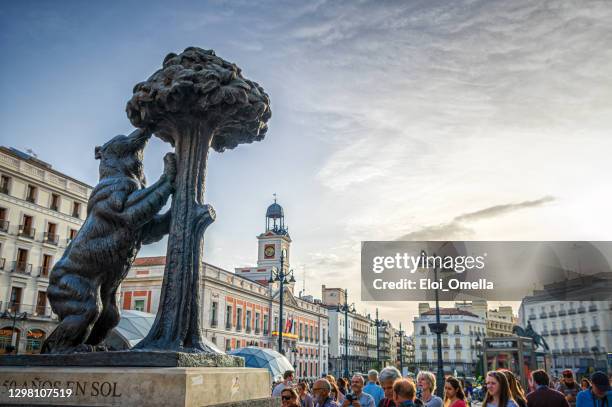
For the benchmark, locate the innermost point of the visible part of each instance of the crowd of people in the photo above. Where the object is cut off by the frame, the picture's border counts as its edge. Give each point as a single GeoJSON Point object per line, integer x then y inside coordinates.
{"type": "Point", "coordinates": [390, 389]}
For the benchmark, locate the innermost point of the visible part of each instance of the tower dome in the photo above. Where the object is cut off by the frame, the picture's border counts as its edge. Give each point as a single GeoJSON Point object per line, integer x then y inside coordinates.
{"type": "Point", "coordinates": [275, 219]}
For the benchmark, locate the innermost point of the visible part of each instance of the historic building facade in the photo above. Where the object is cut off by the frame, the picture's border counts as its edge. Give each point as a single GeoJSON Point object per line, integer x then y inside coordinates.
{"type": "Point", "coordinates": [239, 310]}
{"type": "Point", "coordinates": [579, 333]}
{"type": "Point", "coordinates": [41, 210]}
{"type": "Point", "coordinates": [459, 351]}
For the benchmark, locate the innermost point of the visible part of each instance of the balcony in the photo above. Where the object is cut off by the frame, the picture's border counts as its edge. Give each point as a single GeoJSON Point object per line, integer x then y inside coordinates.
{"type": "Point", "coordinates": [545, 332]}
{"type": "Point", "coordinates": [571, 311]}
{"type": "Point", "coordinates": [573, 330]}
{"type": "Point", "coordinates": [563, 331]}
{"type": "Point", "coordinates": [575, 351]}
{"type": "Point", "coordinates": [248, 329]}
{"type": "Point", "coordinates": [22, 267]}
{"type": "Point", "coordinates": [228, 325]}
{"type": "Point", "coordinates": [581, 309]}
{"type": "Point", "coordinates": [584, 350]}
{"type": "Point", "coordinates": [562, 313]}
{"type": "Point", "coordinates": [584, 329]}
{"type": "Point", "coordinates": [4, 226]}
{"type": "Point", "coordinates": [531, 318]}
{"type": "Point", "coordinates": [44, 271]}
{"type": "Point", "coordinates": [239, 327]}
{"type": "Point", "coordinates": [543, 315]}
{"type": "Point", "coordinates": [31, 199]}
{"type": "Point", "coordinates": [257, 331]}
{"type": "Point", "coordinates": [76, 214]}
{"type": "Point", "coordinates": [592, 308]}
{"type": "Point", "coordinates": [458, 347]}
{"type": "Point", "coordinates": [595, 328]}
{"type": "Point", "coordinates": [213, 323]}
{"type": "Point", "coordinates": [26, 231]}
{"type": "Point", "coordinates": [552, 314]}
{"type": "Point", "coordinates": [51, 238]}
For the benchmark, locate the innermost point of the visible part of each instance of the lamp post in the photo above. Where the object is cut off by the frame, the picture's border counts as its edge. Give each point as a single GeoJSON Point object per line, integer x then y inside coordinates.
{"type": "Point", "coordinates": [478, 343]}
{"type": "Point", "coordinates": [281, 277]}
{"type": "Point", "coordinates": [378, 324]}
{"type": "Point", "coordinates": [401, 333]}
{"type": "Point", "coordinates": [12, 313]}
{"type": "Point", "coordinates": [346, 308]}
{"type": "Point", "coordinates": [437, 328]}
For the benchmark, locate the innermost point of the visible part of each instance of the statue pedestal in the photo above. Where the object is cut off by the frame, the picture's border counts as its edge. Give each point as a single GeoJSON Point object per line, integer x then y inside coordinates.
{"type": "Point", "coordinates": [138, 386]}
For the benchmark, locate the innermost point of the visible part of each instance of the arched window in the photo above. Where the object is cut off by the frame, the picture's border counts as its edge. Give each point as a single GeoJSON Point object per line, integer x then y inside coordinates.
{"type": "Point", "coordinates": [6, 339]}
{"type": "Point", "coordinates": [34, 340]}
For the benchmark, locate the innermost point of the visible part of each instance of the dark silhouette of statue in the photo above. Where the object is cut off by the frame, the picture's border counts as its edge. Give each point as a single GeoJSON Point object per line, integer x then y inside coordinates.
{"type": "Point", "coordinates": [194, 102]}
{"type": "Point", "coordinates": [538, 340]}
{"type": "Point", "coordinates": [122, 214]}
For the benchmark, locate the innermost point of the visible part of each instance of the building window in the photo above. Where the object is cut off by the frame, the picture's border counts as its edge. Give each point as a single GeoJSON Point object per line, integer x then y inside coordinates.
{"type": "Point", "coordinates": [55, 202]}
{"type": "Point", "coordinates": [5, 183]}
{"type": "Point", "coordinates": [4, 224]}
{"type": "Point", "coordinates": [76, 210]}
{"type": "Point", "coordinates": [31, 193]}
{"type": "Point", "coordinates": [139, 305]}
{"type": "Point", "coordinates": [51, 234]}
{"type": "Point", "coordinates": [213, 313]}
{"type": "Point", "coordinates": [265, 323]}
{"type": "Point", "coordinates": [300, 333]}
{"type": "Point", "coordinates": [248, 321]}
{"type": "Point", "coordinates": [45, 268]}
{"type": "Point", "coordinates": [26, 229]}
{"type": "Point", "coordinates": [228, 345]}
{"type": "Point", "coordinates": [257, 323]}
{"type": "Point", "coordinates": [239, 319]}
{"type": "Point", "coordinates": [15, 301]}
{"type": "Point", "coordinates": [41, 303]}
{"type": "Point", "coordinates": [22, 265]}
{"type": "Point", "coordinates": [35, 338]}
{"type": "Point", "coordinates": [228, 317]}
{"type": "Point", "coordinates": [71, 235]}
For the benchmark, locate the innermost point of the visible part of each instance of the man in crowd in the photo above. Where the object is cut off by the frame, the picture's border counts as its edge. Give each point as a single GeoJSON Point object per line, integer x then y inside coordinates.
{"type": "Point", "coordinates": [321, 390]}
{"type": "Point", "coordinates": [569, 387]}
{"type": "Point", "coordinates": [543, 395]}
{"type": "Point", "coordinates": [358, 398]}
{"type": "Point", "coordinates": [287, 382]}
{"type": "Point", "coordinates": [373, 389]}
{"type": "Point", "coordinates": [404, 393]}
{"type": "Point", "coordinates": [599, 395]}
{"type": "Point", "coordinates": [388, 376]}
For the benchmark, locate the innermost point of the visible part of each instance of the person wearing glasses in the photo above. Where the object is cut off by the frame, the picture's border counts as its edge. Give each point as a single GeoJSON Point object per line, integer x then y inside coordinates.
{"type": "Point", "coordinates": [289, 398]}
{"type": "Point", "coordinates": [321, 391]}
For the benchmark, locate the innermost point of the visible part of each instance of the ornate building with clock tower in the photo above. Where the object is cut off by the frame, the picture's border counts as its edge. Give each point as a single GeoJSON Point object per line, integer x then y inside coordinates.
{"type": "Point", "coordinates": [274, 248]}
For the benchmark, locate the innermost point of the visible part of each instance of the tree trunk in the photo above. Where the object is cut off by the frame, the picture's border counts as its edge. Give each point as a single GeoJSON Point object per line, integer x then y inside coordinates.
{"type": "Point", "coordinates": [177, 324]}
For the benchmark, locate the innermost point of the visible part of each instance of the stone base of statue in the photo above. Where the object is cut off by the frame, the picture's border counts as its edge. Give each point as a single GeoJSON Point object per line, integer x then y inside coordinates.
{"type": "Point", "coordinates": [135, 386]}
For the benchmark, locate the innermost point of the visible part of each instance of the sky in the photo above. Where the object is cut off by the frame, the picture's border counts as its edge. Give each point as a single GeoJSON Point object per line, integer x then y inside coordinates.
{"type": "Point", "coordinates": [391, 120]}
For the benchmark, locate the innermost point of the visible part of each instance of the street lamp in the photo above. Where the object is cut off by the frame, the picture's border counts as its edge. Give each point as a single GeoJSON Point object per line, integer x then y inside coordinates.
{"type": "Point", "coordinates": [478, 343]}
{"type": "Point", "coordinates": [346, 308]}
{"type": "Point", "coordinates": [378, 323]}
{"type": "Point", "coordinates": [401, 333]}
{"type": "Point", "coordinates": [281, 277]}
{"type": "Point", "coordinates": [437, 328]}
{"type": "Point", "coordinates": [12, 313]}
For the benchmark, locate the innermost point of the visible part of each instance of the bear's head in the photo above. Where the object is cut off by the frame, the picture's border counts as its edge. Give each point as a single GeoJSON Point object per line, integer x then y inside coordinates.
{"type": "Point", "coordinates": [122, 156]}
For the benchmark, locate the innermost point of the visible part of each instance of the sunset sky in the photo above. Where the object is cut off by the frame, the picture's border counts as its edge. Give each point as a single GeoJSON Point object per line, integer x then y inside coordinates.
{"type": "Point", "coordinates": [440, 120]}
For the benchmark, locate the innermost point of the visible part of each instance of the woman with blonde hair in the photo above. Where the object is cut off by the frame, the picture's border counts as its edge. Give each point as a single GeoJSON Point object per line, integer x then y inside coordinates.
{"type": "Point", "coordinates": [515, 388]}
{"type": "Point", "coordinates": [426, 381]}
{"type": "Point", "coordinates": [498, 391]}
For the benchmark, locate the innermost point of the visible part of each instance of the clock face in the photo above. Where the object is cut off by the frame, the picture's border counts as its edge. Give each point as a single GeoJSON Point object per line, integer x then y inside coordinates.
{"type": "Point", "coordinates": [269, 251]}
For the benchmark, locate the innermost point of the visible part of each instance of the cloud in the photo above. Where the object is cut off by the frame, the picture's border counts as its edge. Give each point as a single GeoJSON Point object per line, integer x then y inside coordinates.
{"type": "Point", "coordinates": [457, 230]}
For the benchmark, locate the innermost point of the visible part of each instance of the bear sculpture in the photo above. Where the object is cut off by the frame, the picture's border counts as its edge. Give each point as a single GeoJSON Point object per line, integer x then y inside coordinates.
{"type": "Point", "coordinates": [122, 214]}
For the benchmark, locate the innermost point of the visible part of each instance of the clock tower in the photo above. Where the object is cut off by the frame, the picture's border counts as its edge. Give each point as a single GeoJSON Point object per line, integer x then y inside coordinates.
{"type": "Point", "coordinates": [273, 243]}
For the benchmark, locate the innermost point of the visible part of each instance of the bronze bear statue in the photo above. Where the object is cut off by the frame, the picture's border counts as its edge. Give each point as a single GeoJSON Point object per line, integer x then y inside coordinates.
{"type": "Point", "coordinates": [122, 214]}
